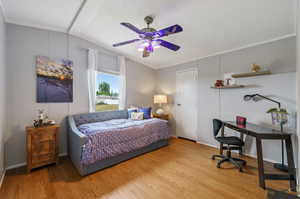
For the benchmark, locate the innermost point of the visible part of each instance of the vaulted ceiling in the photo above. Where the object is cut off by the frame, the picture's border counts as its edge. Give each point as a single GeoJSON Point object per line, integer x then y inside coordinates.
{"type": "Point", "coordinates": [210, 26]}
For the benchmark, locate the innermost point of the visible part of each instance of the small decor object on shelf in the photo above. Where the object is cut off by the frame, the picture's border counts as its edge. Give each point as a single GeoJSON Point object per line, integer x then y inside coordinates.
{"type": "Point", "coordinates": [255, 68]}
{"type": "Point", "coordinates": [160, 99]}
{"type": "Point", "coordinates": [279, 116]}
{"type": "Point", "coordinates": [229, 80]}
{"type": "Point", "coordinates": [219, 83]}
{"type": "Point", "coordinates": [255, 71]}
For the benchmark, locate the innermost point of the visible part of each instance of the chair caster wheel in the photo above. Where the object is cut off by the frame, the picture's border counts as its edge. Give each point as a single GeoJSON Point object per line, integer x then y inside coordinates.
{"type": "Point", "coordinates": [241, 170]}
{"type": "Point", "coordinates": [213, 158]}
{"type": "Point", "coordinates": [218, 166]}
{"type": "Point", "coordinates": [244, 163]}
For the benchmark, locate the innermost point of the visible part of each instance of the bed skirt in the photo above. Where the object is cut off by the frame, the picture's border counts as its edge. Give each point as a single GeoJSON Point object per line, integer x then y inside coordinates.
{"type": "Point", "coordinates": [102, 164]}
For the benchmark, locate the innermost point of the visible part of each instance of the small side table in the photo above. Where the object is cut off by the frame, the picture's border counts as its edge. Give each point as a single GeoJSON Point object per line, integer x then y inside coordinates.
{"type": "Point", "coordinates": [42, 146]}
{"type": "Point", "coordinates": [162, 116]}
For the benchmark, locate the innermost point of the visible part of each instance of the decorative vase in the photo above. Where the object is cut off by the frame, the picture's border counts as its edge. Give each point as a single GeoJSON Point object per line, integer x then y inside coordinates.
{"type": "Point", "coordinates": [279, 118]}
{"type": "Point", "coordinates": [274, 117]}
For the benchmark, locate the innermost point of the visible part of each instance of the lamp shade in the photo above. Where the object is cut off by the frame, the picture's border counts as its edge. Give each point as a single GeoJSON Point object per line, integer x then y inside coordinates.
{"type": "Point", "coordinates": [160, 99]}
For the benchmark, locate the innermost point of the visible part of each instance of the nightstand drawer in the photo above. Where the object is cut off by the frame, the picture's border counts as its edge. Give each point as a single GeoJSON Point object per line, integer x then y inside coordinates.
{"type": "Point", "coordinates": [42, 158]}
{"type": "Point", "coordinates": [42, 135]}
{"type": "Point", "coordinates": [39, 147]}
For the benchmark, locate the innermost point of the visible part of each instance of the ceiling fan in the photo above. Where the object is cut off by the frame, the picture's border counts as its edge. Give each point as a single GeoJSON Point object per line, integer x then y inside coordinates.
{"type": "Point", "coordinates": [151, 38]}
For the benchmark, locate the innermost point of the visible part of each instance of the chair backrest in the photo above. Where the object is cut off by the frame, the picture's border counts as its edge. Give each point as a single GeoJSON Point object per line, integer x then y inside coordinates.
{"type": "Point", "coordinates": [217, 125]}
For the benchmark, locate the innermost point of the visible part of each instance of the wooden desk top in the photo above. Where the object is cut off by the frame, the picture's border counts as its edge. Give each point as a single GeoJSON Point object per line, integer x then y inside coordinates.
{"type": "Point", "coordinates": [257, 131]}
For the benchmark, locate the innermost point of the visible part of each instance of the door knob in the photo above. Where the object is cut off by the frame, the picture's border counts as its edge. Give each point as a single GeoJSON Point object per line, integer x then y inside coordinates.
{"type": "Point", "coordinates": [178, 104]}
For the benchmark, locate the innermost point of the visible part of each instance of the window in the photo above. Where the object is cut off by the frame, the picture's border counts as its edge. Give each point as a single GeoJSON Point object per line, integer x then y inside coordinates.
{"type": "Point", "coordinates": [108, 90]}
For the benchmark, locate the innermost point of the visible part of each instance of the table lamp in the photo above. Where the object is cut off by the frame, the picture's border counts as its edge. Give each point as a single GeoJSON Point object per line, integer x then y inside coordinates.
{"type": "Point", "coordinates": [160, 99]}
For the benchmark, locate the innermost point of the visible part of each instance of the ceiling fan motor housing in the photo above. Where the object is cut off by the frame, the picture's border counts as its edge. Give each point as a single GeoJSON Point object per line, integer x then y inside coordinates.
{"type": "Point", "coordinates": [148, 20]}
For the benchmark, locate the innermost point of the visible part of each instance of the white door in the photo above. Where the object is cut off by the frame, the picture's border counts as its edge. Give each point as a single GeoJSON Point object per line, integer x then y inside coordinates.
{"type": "Point", "coordinates": [186, 104]}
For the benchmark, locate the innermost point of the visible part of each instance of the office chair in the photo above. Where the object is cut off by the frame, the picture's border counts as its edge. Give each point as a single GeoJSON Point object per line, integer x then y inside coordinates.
{"type": "Point", "coordinates": [232, 142]}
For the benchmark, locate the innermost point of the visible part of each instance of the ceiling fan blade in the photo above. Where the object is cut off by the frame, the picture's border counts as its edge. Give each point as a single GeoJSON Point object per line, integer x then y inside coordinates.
{"type": "Point", "coordinates": [132, 27]}
{"type": "Point", "coordinates": [125, 42]}
{"type": "Point", "coordinates": [146, 53]}
{"type": "Point", "coordinates": [168, 45]}
{"type": "Point", "coordinates": [168, 31]}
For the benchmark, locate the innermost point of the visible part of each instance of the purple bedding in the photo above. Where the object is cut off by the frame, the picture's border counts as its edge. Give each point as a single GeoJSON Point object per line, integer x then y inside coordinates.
{"type": "Point", "coordinates": [114, 137]}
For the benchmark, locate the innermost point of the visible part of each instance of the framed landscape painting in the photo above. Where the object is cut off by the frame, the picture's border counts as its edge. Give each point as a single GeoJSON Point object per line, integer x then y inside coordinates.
{"type": "Point", "coordinates": [54, 80]}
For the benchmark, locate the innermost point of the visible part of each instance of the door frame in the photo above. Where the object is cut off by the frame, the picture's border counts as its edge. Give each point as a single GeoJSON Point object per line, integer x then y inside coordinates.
{"type": "Point", "coordinates": [196, 70]}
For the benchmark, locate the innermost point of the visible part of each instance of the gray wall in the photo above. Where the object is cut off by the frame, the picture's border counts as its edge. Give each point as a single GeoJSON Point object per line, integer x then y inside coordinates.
{"type": "Point", "coordinates": [3, 91]}
{"type": "Point", "coordinates": [24, 44]}
{"type": "Point", "coordinates": [279, 57]}
{"type": "Point", "coordinates": [139, 84]}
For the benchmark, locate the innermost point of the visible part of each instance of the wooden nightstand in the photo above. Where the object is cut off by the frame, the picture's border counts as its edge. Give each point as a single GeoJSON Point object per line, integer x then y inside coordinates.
{"type": "Point", "coordinates": [42, 146]}
{"type": "Point", "coordinates": [162, 116]}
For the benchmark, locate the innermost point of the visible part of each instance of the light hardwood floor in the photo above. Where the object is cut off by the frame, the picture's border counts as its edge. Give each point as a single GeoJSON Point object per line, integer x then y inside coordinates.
{"type": "Point", "coordinates": [181, 170]}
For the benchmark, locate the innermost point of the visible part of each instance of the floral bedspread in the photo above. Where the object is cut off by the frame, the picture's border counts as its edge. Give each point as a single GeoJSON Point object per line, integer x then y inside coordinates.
{"type": "Point", "coordinates": [114, 137]}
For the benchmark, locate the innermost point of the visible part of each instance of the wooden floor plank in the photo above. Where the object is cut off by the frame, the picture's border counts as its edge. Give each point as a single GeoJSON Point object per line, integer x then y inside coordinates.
{"type": "Point", "coordinates": [183, 169]}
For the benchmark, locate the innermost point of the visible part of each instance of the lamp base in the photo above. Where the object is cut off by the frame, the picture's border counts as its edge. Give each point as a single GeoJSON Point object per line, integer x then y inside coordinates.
{"type": "Point", "coordinates": [160, 111]}
{"type": "Point", "coordinates": [280, 167]}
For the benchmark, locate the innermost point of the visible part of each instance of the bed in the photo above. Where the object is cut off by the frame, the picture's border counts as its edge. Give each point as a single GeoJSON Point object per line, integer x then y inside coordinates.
{"type": "Point", "coordinates": [100, 140]}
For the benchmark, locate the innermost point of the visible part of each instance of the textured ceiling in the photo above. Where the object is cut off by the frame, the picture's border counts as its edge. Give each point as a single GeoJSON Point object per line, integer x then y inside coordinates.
{"type": "Point", "coordinates": [210, 26]}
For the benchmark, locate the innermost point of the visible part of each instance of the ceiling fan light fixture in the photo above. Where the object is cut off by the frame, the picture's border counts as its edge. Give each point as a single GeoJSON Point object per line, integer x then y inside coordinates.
{"type": "Point", "coordinates": [155, 44]}
{"type": "Point", "coordinates": [150, 37]}
{"type": "Point", "coordinates": [145, 44]}
{"type": "Point", "coordinates": [141, 49]}
{"type": "Point", "coordinates": [150, 48]}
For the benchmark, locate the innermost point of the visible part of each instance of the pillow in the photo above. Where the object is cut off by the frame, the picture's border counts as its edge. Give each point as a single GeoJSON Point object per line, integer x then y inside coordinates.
{"type": "Point", "coordinates": [137, 116]}
{"type": "Point", "coordinates": [131, 110]}
{"type": "Point", "coordinates": [146, 111]}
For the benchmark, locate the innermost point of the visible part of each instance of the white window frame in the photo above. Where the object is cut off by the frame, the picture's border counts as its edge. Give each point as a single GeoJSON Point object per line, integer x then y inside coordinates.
{"type": "Point", "coordinates": [108, 72]}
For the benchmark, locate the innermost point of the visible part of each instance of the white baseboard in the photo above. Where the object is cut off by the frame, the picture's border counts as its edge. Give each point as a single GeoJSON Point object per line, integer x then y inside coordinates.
{"type": "Point", "coordinates": [265, 159]}
{"type": "Point", "coordinates": [246, 154]}
{"type": "Point", "coordinates": [24, 163]}
{"type": "Point", "coordinates": [16, 166]}
{"type": "Point", "coordinates": [2, 177]}
{"type": "Point", "coordinates": [63, 154]}
{"type": "Point", "coordinates": [207, 144]}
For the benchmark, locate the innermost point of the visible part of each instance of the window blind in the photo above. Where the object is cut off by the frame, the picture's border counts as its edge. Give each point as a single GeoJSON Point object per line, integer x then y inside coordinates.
{"type": "Point", "coordinates": [108, 63]}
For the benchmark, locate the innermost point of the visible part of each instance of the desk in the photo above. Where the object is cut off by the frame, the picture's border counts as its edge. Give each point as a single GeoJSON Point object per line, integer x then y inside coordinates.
{"type": "Point", "coordinates": [261, 133]}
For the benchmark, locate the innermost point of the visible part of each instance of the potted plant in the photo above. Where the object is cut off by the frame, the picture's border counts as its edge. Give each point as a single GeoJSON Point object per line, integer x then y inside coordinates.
{"type": "Point", "coordinates": [279, 116]}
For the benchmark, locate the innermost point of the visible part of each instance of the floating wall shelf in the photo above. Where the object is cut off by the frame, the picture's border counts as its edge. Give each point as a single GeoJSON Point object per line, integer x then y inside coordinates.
{"type": "Point", "coordinates": [251, 74]}
{"type": "Point", "coordinates": [229, 87]}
